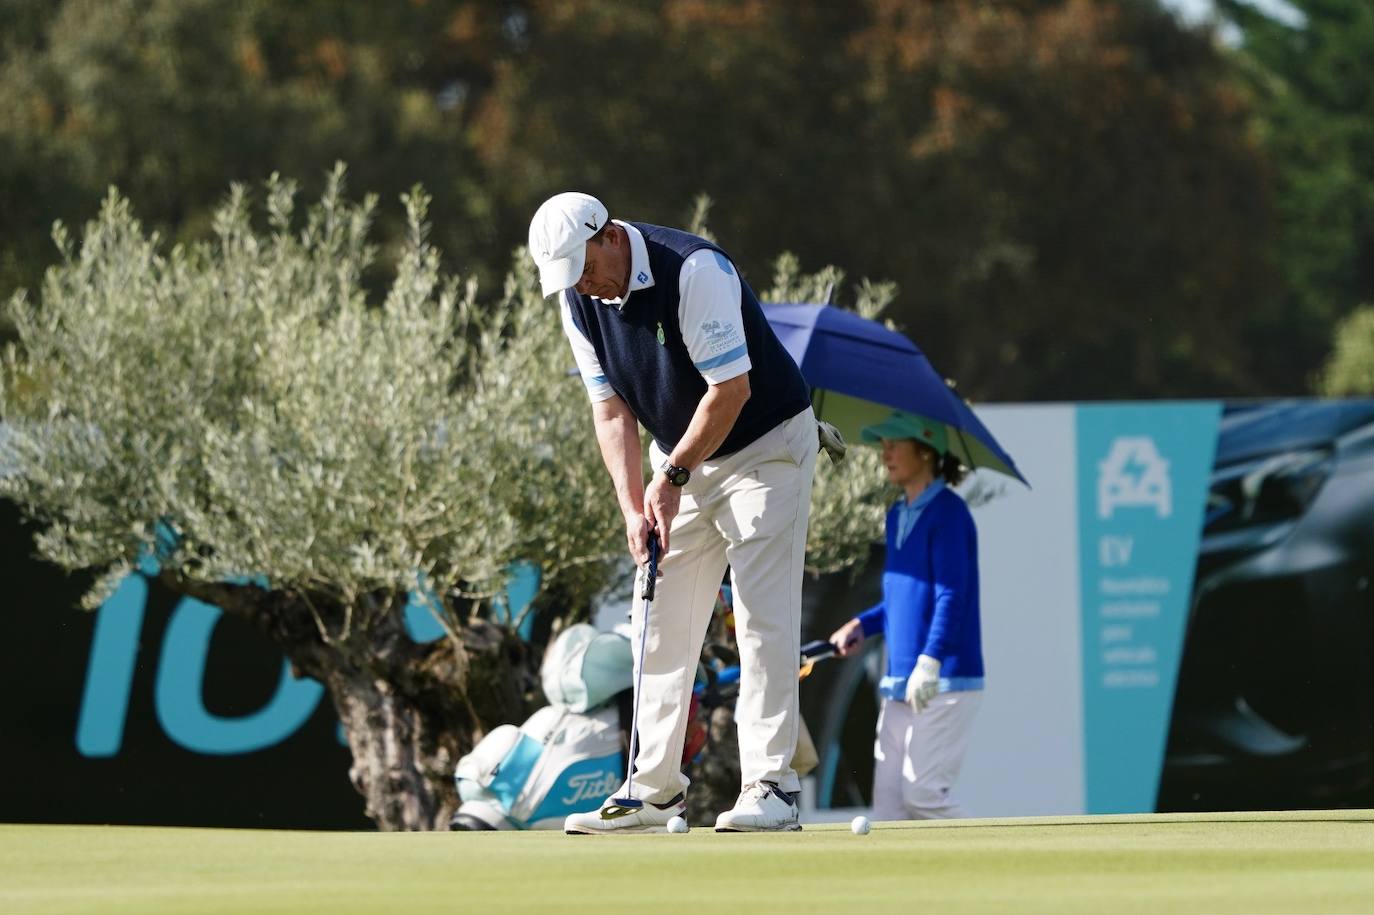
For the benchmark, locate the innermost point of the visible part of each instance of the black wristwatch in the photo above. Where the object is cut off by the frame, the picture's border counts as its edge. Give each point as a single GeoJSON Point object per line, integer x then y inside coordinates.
{"type": "Point", "coordinates": [678, 476]}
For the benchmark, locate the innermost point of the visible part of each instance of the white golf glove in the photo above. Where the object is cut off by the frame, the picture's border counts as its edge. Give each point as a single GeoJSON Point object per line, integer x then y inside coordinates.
{"type": "Point", "coordinates": [923, 683]}
{"type": "Point", "coordinates": [832, 442]}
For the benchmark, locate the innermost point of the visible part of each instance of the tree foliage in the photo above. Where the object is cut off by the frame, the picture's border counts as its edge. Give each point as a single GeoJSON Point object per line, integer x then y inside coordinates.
{"type": "Point", "coordinates": [1311, 81]}
{"type": "Point", "coordinates": [1350, 368]}
{"type": "Point", "coordinates": [172, 99]}
{"type": "Point", "coordinates": [242, 393]}
{"type": "Point", "coordinates": [1067, 192]}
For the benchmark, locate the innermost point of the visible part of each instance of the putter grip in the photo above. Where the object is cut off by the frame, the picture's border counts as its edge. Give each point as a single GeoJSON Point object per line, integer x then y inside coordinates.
{"type": "Point", "coordinates": [651, 573]}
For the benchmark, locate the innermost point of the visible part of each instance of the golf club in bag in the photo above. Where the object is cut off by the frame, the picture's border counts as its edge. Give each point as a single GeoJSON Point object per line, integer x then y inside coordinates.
{"type": "Point", "coordinates": [811, 652]}
{"type": "Point", "coordinates": [722, 686]}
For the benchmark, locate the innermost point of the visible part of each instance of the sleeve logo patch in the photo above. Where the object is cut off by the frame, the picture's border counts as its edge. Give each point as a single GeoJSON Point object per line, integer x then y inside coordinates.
{"type": "Point", "coordinates": [720, 336]}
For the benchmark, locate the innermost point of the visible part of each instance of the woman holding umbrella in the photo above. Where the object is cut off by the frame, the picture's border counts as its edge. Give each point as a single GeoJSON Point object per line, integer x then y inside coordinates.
{"type": "Point", "coordinates": [929, 616]}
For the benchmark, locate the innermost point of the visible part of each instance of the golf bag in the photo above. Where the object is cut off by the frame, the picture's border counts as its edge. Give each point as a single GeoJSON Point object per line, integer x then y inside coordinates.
{"type": "Point", "coordinates": [568, 756]}
{"type": "Point", "coordinates": [531, 777]}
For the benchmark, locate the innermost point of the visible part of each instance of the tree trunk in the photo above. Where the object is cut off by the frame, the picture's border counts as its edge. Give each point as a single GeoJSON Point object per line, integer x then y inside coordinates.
{"type": "Point", "coordinates": [408, 731]}
{"type": "Point", "coordinates": [409, 710]}
{"type": "Point", "coordinates": [399, 763]}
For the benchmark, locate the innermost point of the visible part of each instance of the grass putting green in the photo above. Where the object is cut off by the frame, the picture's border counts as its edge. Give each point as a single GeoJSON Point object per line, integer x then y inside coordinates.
{"type": "Point", "coordinates": [1257, 862]}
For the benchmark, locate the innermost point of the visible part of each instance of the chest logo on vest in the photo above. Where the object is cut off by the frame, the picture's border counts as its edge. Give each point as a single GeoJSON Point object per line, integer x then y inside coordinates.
{"type": "Point", "coordinates": [660, 333]}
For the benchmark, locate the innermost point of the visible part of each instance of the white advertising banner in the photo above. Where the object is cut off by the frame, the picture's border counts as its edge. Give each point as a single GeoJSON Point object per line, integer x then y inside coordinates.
{"type": "Point", "coordinates": [1085, 584]}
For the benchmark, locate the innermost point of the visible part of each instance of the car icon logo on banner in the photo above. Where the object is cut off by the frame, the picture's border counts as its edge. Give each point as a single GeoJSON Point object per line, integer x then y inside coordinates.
{"type": "Point", "coordinates": [1134, 475]}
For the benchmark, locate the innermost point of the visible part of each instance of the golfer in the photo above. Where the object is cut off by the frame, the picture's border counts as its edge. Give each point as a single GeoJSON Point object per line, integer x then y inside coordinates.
{"type": "Point", "coordinates": [929, 616]}
{"type": "Point", "coordinates": [667, 335]}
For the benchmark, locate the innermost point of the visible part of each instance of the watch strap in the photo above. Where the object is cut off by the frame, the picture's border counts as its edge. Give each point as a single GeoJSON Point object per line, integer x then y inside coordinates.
{"type": "Point", "coordinates": [678, 476]}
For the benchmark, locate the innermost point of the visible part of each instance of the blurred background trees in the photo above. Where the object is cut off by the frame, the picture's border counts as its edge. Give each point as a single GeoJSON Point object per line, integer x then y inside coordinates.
{"type": "Point", "coordinates": [171, 100]}
{"type": "Point", "coordinates": [1076, 198]}
{"type": "Point", "coordinates": [1311, 78]}
{"type": "Point", "coordinates": [1066, 193]}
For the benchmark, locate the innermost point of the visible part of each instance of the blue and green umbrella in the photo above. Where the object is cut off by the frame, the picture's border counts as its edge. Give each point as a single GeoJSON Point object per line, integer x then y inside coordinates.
{"type": "Point", "coordinates": [860, 371]}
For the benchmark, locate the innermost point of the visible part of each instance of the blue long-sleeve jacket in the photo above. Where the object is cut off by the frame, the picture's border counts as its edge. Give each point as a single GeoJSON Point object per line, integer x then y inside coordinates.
{"type": "Point", "coordinates": [930, 597]}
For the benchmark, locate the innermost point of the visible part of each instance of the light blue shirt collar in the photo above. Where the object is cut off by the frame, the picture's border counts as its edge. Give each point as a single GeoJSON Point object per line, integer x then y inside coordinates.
{"type": "Point", "coordinates": [909, 512]}
{"type": "Point", "coordinates": [641, 277]}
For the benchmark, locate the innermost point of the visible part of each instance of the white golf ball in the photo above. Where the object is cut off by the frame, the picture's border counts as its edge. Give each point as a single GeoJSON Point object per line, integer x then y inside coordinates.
{"type": "Point", "coordinates": [677, 825]}
{"type": "Point", "coordinates": [860, 826]}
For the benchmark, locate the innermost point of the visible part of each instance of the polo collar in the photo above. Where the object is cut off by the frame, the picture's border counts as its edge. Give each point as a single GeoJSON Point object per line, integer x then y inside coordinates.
{"type": "Point", "coordinates": [927, 494]}
{"type": "Point", "coordinates": [641, 276]}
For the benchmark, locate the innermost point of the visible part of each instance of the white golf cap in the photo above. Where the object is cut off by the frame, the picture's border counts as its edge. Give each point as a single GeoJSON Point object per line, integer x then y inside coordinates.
{"type": "Point", "coordinates": [558, 238]}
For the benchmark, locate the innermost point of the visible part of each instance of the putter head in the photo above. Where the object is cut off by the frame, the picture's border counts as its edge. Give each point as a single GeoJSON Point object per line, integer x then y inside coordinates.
{"type": "Point", "coordinates": [621, 806]}
{"type": "Point", "coordinates": [646, 591]}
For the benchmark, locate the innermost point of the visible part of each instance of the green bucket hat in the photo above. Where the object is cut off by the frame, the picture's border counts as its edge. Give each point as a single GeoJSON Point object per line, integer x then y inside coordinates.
{"type": "Point", "coordinates": [901, 425]}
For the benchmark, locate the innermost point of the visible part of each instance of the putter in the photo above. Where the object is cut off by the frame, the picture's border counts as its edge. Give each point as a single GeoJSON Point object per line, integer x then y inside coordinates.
{"type": "Point", "coordinates": [620, 806]}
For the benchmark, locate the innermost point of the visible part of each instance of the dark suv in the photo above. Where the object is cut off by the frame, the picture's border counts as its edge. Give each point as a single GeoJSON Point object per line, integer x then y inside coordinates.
{"type": "Point", "coordinates": [1273, 703]}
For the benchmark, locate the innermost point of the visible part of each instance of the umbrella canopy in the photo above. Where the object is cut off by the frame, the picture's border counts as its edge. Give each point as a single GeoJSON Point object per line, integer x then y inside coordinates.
{"type": "Point", "coordinates": [860, 371]}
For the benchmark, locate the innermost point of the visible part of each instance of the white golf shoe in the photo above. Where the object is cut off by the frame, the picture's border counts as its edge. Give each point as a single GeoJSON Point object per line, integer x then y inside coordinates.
{"type": "Point", "coordinates": [613, 819]}
{"type": "Point", "coordinates": [761, 807]}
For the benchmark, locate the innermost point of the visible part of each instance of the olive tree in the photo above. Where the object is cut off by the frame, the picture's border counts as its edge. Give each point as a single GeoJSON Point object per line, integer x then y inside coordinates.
{"type": "Point", "coordinates": [242, 414]}
{"type": "Point", "coordinates": [306, 460]}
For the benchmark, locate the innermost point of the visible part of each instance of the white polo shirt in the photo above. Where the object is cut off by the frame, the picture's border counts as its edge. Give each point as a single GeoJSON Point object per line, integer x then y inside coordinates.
{"type": "Point", "coordinates": [708, 312]}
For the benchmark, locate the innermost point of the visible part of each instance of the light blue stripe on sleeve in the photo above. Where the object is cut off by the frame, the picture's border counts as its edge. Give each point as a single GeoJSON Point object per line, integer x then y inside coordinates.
{"type": "Point", "coordinates": [724, 263]}
{"type": "Point", "coordinates": [736, 353]}
{"type": "Point", "coordinates": [598, 379]}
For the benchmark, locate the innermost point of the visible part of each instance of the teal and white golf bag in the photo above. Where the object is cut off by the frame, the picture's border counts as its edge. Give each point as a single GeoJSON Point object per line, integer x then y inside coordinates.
{"type": "Point", "coordinates": [567, 756]}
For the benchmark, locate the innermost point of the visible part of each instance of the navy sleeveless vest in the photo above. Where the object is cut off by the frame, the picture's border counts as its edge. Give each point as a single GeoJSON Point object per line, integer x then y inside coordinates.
{"type": "Point", "coordinates": [658, 380]}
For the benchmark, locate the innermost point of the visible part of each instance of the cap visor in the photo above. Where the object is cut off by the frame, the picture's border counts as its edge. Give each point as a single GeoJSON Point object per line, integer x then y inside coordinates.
{"type": "Point", "coordinates": [560, 273]}
{"type": "Point", "coordinates": [888, 430]}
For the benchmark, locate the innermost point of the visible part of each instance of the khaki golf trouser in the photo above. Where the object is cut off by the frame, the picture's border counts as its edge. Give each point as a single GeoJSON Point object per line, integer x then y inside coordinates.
{"type": "Point", "coordinates": [748, 510]}
{"type": "Point", "coordinates": [916, 757]}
